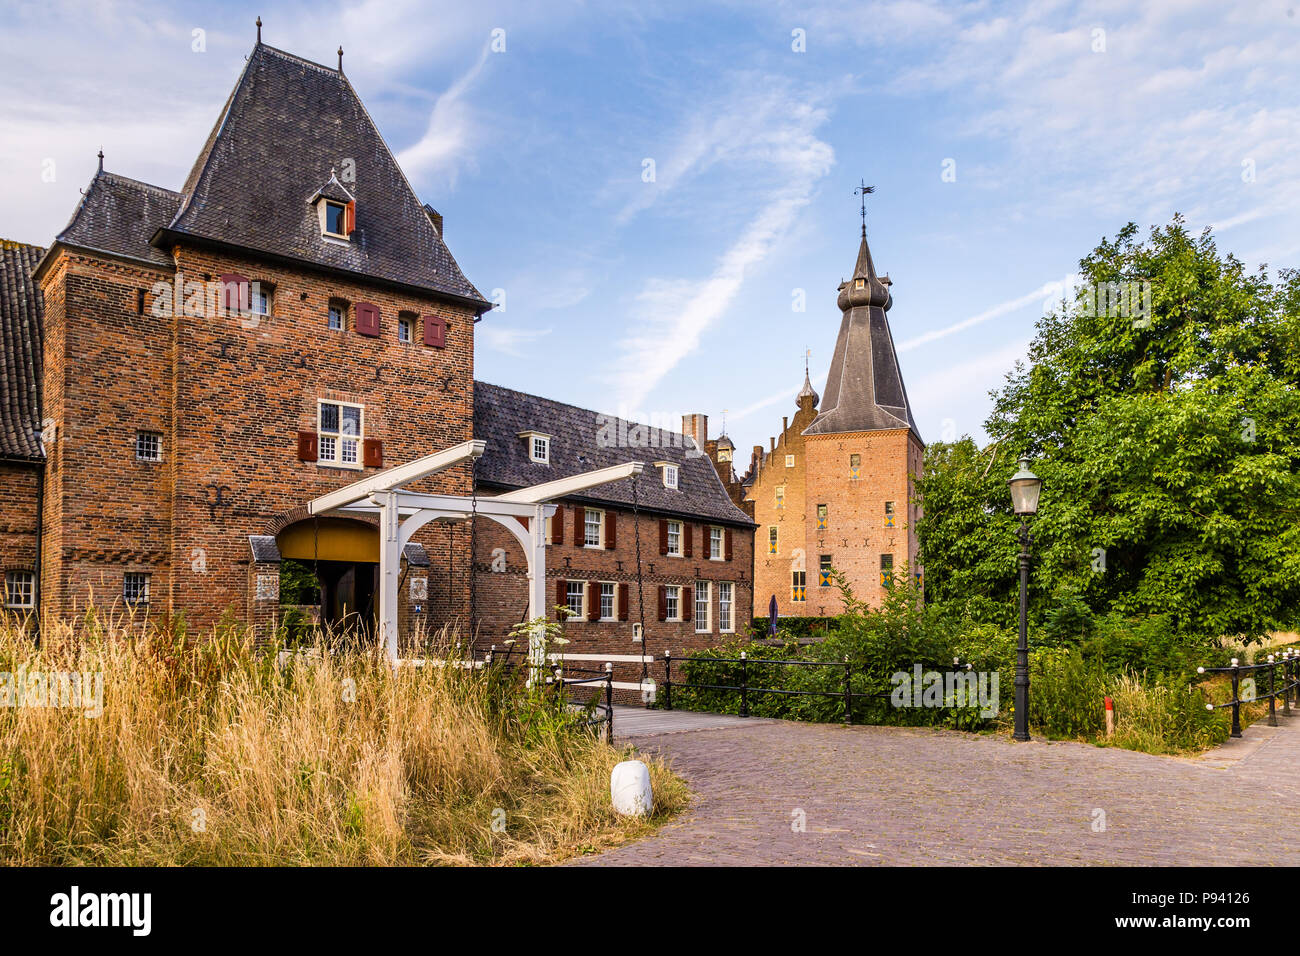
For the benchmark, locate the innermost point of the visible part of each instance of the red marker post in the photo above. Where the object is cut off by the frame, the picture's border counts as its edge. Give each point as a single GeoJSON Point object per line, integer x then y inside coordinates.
{"type": "Point", "coordinates": [1110, 717]}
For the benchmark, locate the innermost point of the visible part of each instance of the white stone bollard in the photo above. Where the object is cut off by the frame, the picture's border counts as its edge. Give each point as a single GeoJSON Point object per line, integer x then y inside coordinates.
{"type": "Point", "coordinates": [629, 788]}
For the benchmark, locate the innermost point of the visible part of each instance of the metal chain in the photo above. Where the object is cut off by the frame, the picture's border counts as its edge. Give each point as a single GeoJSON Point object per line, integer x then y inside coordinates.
{"type": "Point", "coordinates": [640, 588]}
{"type": "Point", "coordinates": [473, 552]}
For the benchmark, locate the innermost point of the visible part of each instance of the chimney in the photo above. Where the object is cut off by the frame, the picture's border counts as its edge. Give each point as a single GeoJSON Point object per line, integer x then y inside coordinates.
{"type": "Point", "coordinates": [696, 426]}
{"type": "Point", "coordinates": [772, 439]}
{"type": "Point", "coordinates": [435, 217]}
{"type": "Point", "coordinates": [785, 425]}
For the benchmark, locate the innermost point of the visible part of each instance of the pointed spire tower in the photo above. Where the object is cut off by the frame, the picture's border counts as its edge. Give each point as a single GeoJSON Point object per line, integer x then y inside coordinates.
{"type": "Point", "coordinates": [864, 389]}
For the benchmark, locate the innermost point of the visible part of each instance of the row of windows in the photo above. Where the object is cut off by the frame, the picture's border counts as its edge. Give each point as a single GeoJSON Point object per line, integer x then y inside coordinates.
{"type": "Point", "coordinates": [580, 594]}
{"type": "Point", "coordinates": [855, 465]}
{"type": "Point", "coordinates": [20, 589]}
{"type": "Point", "coordinates": [823, 524]}
{"type": "Point", "coordinates": [825, 576]}
{"type": "Point", "coordinates": [539, 452]}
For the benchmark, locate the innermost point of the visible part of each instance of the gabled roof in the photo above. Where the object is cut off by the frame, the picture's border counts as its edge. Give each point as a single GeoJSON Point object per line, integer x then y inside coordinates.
{"type": "Point", "coordinates": [864, 389]}
{"type": "Point", "coordinates": [20, 353]}
{"type": "Point", "coordinates": [118, 215]}
{"type": "Point", "coordinates": [285, 126]}
{"type": "Point", "coordinates": [583, 440]}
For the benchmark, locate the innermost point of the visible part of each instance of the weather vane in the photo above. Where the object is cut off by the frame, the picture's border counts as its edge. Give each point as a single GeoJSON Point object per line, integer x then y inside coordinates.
{"type": "Point", "coordinates": [863, 190]}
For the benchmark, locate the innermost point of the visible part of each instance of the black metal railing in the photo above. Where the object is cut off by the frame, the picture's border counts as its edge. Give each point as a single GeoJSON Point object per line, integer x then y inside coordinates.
{"type": "Point", "coordinates": [845, 693]}
{"type": "Point", "coordinates": [557, 677]}
{"type": "Point", "coordinates": [1288, 662]}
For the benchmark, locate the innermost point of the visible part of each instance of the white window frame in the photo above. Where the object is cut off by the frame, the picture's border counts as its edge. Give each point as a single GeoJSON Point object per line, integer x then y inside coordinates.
{"type": "Point", "coordinates": [717, 536]}
{"type": "Point", "coordinates": [675, 551]}
{"type": "Point", "coordinates": [24, 583]}
{"type": "Point", "coordinates": [325, 218]}
{"type": "Point", "coordinates": [789, 461]}
{"type": "Point", "coordinates": [580, 615]}
{"type": "Point", "coordinates": [145, 580]}
{"type": "Point", "coordinates": [405, 329]}
{"type": "Point", "coordinates": [539, 447]}
{"type": "Point", "coordinates": [586, 528]}
{"type": "Point", "coordinates": [706, 625]}
{"type": "Point", "coordinates": [257, 295]}
{"type": "Point", "coordinates": [671, 477]}
{"type": "Point", "coordinates": [673, 598]}
{"type": "Point", "coordinates": [608, 589]}
{"type": "Point", "coordinates": [157, 437]}
{"type": "Point", "coordinates": [341, 312]}
{"type": "Point", "coordinates": [338, 437]}
{"type": "Point", "coordinates": [726, 607]}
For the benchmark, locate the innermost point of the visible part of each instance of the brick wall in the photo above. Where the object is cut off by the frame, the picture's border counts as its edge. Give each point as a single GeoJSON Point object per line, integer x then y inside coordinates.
{"type": "Point", "coordinates": [18, 489]}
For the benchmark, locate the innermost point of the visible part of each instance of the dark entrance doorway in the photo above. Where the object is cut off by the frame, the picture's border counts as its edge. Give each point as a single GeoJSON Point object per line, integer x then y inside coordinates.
{"type": "Point", "coordinates": [348, 595]}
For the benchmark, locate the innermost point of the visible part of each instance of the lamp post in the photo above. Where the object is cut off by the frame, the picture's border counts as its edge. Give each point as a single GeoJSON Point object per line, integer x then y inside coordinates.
{"type": "Point", "coordinates": [1025, 486]}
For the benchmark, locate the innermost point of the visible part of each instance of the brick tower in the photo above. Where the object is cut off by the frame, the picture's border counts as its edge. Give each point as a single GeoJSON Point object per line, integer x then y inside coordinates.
{"type": "Point", "coordinates": [837, 490]}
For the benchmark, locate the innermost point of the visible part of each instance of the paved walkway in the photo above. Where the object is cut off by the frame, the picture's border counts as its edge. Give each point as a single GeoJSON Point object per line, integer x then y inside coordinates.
{"type": "Point", "coordinates": [777, 792]}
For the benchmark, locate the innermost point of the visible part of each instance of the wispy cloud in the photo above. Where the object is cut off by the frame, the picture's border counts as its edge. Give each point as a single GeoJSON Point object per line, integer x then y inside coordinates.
{"type": "Point", "coordinates": [510, 341]}
{"type": "Point", "coordinates": [450, 135]}
{"type": "Point", "coordinates": [1047, 292]}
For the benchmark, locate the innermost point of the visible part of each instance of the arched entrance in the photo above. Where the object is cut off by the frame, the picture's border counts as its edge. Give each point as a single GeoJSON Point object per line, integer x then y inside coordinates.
{"type": "Point", "coordinates": [342, 556]}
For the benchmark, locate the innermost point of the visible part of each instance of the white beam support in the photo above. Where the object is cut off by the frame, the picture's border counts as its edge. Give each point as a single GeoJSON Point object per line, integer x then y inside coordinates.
{"type": "Point", "coordinates": [551, 490]}
{"type": "Point", "coordinates": [395, 477]}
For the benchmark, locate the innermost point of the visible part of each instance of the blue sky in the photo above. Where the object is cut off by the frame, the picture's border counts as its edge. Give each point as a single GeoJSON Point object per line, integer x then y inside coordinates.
{"type": "Point", "coordinates": [1061, 122]}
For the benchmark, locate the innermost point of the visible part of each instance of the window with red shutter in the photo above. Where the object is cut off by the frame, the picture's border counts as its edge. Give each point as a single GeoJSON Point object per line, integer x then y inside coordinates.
{"type": "Point", "coordinates": [663, 601]}
{"type": "Point", "coordinates": [435, 331]}
{"type": "Point", "coordinates": [726, 534]}
{"type": "Point", "coordinates": [561, 595]}
{"type": "Point", "coordinates": [623, 601]}
{"type": "Point", "coordinates": [350, 218]}
{"type": "Point", "coordinates": [367, 319]}
{"type": "Point", "coordinates": [593, 601]}
{"type": "Point", "coordinates": [372, 453]}
{"type": "Point", "coordinates": [663, 538]}
{"type": "Point", "coordinates": [579, 533]}
{"type": "Point", "coordinates": [686, 533]}
{"type": "Point", "coordinates": [557, 525]}
{"type": "Point", "coordinates": [611, 530]}
{"type": "Point", "coordinates": [685, 603]}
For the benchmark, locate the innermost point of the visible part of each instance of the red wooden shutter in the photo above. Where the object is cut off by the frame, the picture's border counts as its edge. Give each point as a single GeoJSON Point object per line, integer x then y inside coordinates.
{"type": "Point", "coordinates": [557, 525]}
{"type": "Point", "coordinates": [663, 538]}
{"type": "Point", "coordinates": [623, 601]}
{"type": "Point", "coordinates": [367, 319]}
{"type": "Point", "coordinates": [686, 601]}
{"type": "Point", "coordinates": [579, 533]}
{"type": "Point", "coordinates": [663, 602]}
{"type": "Point", "coordinates": [726, 537]}
{"type": "Point", "coordinates": [562, 593]}
{"type": "Point", "coordinates": [686, 532]}
{"type": "Point", "coordinates": [611, 530]}
{"type": "Point", "coordinates": [593, 601]}
{"type": "Point", "coordinates": [307, 446]}
{"type": "Point", "coordinates": [235, 295]}
{"type": "Point", "coordinates": [372, 453]}
{"type": "Point", "coordinates": [435, 331]}
{"type": "Point", "coordinates": [350, 218]}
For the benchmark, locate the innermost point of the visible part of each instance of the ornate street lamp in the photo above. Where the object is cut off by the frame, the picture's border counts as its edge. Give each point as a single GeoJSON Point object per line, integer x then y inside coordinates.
{"type": "Point", "coordinates": [1025, 486]}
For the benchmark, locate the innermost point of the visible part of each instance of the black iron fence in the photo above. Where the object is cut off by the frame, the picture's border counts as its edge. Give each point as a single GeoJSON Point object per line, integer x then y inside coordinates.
{"type": "Point", "coordinates": [742, 669]}
{"type": "Point", "coordinates": [1287, 663]}
{"type": "Point", "coordinates": [558, 678]}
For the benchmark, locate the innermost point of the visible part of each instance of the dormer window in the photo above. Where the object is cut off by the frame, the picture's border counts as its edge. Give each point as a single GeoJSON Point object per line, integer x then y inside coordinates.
{"type": "Point", "coordinates": [336, 209]}
{"type": "Point", "coordinates": [335, 213]}
{"type": "Point", "coordinates": [539, 447]}
{"type": "Point", "coordinates": [669, 472]}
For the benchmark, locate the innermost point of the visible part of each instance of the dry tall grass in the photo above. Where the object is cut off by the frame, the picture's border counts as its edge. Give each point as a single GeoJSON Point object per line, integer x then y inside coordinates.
{"type": "Point", "coordinates": [213, 754]}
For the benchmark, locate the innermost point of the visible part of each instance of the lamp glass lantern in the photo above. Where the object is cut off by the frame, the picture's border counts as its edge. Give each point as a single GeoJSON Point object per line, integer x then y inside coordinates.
{"type": "Point", "coordinates": [1025, 486]}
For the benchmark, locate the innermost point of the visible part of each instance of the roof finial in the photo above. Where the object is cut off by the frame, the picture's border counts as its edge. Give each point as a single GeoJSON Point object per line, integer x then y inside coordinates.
{"type": "Point", "coordinates": [863, 189]}
{"type": "Point", "coordinates": [259, 30]}
{"type": "Point", "coordinates": [340, 57]}
{"type": "Point", "coordinates": [101, 160]}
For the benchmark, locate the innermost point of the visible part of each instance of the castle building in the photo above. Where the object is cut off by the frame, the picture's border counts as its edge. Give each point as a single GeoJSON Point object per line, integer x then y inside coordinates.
{"type": "Point", "coordinates": [836, 489]}
{"type": "Point", "coordinates": [181, 371]}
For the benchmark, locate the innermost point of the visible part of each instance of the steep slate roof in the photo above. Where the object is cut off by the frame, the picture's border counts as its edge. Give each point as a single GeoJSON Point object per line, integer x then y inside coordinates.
{"type": "Point", "coordinates": [287, 124]}
{"type": "Point", "coordinates": [864, 389]}
{"type": "Point", "coordinates": [20, 353]}
{"type": "Point", "coordinates": [118, 216]}
{"type": "Point", "coordinates": [500, 414]}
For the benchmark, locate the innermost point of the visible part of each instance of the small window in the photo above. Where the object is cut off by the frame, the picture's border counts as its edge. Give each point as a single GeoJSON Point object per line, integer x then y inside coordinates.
{"type": "Point", "coordinates": [798, 586]}
{"type": "Point", "coordinates": [789, 461]}
{"type": "Point", "coordinates": [675, 537]}
{"type": "Point", "coordinates": [404, 323]}
{"type": "Point", "coordinates": [20, 589]}
{"type": "Point", "coordinates": [859, 283]}
{"type": "Point", "coordinates": [780, 496]}
{"type": "Point", "coordinates": [771, 540]}
{"type": "Point", "coordinates": [574, 594]}
{"type": "Point", "coordinates": [139, 301]}
{"type": "Point", "coordinates": [334, 218]}
{"type": "Point", "coordinates": [336, 318]}
{"type": "Point", "coordinates": [725, 592]}
{"type": "Point", "coordinates": [591, 522]}
{"type": "Point", "coordinates": [855, 467]}
{"type": "Point", "coordinates": [670, 476]}
{"type": "Point", "coordinates": [607, 601]}
{"type": "Point", "coordinates": [702, 595]}
{"type": "Point", "coordinates": [715, 543]}
{"type": "Point", "coordinates": [724, 454]}
{"type": "Point", "coordinates": [886, 570]}
{"type": "Point", "coordinates": [148, 446]}
{"type": "Point", "coordinates": [673, 602]}
{"type": "Point", "coordinates": [889, 514]}
{"type": "Point", "coordinates": [539, 449]}
{"type": "Point", "coordinates": [340, 431]}
{"type": "Point", "coordinates": [823, 514]}
{"type": "Point", "coordinates": [135, 589]}
{"type": "Point", "coordinates": [259, 300]}
{"type": "Point", "coordinates": [824, 571]}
